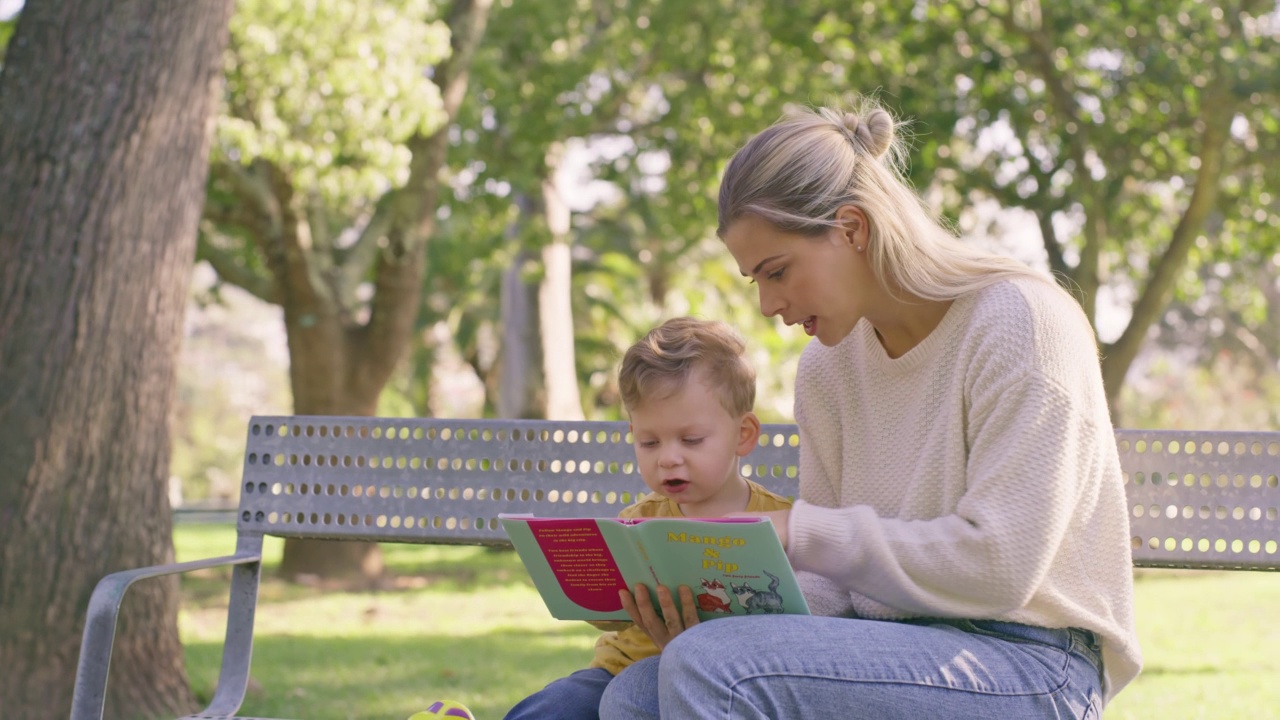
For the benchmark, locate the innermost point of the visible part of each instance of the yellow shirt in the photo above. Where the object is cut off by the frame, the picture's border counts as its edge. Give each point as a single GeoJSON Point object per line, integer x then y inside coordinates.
{"type": "Point", "coordinates": [627, 643]}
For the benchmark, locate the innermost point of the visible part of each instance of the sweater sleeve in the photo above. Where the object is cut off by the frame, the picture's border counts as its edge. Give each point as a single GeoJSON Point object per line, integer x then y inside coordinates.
{"type": "Point", "coordinates": [824, 597]}
{"type": "Point", "coordinates": [1030, 444]}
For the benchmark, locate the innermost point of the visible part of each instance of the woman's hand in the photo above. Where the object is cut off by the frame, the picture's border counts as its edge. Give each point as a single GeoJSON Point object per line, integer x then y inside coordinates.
{"type": "Point", "coordinates": [780, 519]}
{"type": "Point", "coordinates": [660, 630]}
{"type": "Point", "coordinates": [609, 625]}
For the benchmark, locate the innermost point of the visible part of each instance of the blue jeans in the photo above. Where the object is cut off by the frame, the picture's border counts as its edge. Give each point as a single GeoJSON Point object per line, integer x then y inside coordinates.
{"type": "Point", "coordinates": [576, 697]}
{"type": "Point", "coordinates": [794, 666]}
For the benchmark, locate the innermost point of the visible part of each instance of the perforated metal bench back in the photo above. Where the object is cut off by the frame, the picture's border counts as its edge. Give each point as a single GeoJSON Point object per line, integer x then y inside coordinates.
{"type": "Point", "coordinates": [445, 481]}
{"type": "Point", "coordinates": [432, 480]}
{"type": "Point", "coordinates": [1203, 499]}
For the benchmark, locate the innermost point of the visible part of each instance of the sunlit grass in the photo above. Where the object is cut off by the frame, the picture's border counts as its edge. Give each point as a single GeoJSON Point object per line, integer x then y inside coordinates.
{"type": "Point", "coordinates": [460, 623]}
{"type": "Point", "coordinates": [464, 623]}
{"type": "Point", "coordinates": [1212, 646]}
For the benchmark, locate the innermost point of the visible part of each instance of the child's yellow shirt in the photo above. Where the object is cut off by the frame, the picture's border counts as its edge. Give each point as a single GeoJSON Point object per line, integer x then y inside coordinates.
{"type": "Point", "coordinates": [626, 643]}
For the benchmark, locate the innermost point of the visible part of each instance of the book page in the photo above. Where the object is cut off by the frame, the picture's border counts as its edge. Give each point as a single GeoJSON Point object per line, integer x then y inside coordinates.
{"type": "Point", "coordinates": [580, 559]}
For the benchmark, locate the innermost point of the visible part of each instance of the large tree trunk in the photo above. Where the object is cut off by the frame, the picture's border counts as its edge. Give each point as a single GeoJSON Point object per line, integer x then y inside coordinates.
{"type": "Point", "coordinates": [104, 131]}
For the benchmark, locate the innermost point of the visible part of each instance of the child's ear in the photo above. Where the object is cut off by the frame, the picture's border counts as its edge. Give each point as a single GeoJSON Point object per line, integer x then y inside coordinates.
{"type": "Point", "coordinates": [748, 434]}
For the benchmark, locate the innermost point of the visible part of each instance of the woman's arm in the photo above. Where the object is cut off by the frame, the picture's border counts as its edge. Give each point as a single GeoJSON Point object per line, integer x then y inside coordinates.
{"type": "Point", "coordinates": [1031, 450]}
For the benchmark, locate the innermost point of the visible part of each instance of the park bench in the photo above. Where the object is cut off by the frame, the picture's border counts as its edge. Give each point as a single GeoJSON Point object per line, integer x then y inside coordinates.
{"type": "Point", "coordinates": [1196, 499]}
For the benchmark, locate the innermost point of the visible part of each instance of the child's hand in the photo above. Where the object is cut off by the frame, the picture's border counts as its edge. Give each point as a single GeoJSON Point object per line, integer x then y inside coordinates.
{"type": "Point", "coordinates": [661, 631]}
{"type": "Point", "coordinates": [780, 519]}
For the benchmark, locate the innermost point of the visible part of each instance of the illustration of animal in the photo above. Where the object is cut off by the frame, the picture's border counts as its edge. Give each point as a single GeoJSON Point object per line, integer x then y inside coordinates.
{"type": "Point", "coordinates": [768, 601]}
{"type": "Point", "coordinates": [713, 598]}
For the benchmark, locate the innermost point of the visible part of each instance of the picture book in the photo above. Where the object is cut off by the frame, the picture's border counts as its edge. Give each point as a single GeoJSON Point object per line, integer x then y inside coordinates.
{"type": "Point", "coordinates": [734, 566]}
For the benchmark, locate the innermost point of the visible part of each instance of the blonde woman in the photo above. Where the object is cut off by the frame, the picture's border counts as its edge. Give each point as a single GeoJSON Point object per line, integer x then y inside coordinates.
{"type": "Point", "coordinates": [961, 530]}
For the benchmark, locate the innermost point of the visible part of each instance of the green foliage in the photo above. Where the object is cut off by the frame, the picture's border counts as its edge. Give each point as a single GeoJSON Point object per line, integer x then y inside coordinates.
{"type": "Point", "coordinates": [6, 32]}
{"type": "Point", "coordinates": [1095, 128]}
{"type": "Point", "coordinates": [655, 95]}
{"type": "Point", "coordinates": [321, 98]}
{"type": "Point", "coordinates": [329, 91]}
{"type": "Point", "coordinates": [1096, 118]}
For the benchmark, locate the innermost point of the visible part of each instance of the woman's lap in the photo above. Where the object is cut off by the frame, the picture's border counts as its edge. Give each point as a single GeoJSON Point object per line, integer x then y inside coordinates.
{"type": "Point", "coordinates": [794, 666]}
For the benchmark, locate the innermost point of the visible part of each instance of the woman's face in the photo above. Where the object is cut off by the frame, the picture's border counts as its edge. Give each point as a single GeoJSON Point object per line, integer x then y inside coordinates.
{"type": "Point", "coordinates": [819, 282]}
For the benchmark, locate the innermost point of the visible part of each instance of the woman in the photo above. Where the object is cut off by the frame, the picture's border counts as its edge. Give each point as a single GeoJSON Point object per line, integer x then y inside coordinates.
{"type": "Point", "coordinates": [961, 530]}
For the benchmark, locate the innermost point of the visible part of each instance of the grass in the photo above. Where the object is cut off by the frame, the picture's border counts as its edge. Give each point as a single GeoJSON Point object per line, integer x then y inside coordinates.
{"type": "Point", "coordinates": [464, 623]}
{"type": "Point", "coordinates": [1212, 647]}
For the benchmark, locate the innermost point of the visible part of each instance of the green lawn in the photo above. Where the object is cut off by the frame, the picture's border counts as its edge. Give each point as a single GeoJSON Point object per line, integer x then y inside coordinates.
{"type": "Point", "coordinates": [464, 623]}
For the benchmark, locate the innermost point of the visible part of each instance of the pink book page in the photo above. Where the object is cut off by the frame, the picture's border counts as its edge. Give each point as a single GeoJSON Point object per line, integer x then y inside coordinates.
{"type": "Point", "coordinates": [580, 558]}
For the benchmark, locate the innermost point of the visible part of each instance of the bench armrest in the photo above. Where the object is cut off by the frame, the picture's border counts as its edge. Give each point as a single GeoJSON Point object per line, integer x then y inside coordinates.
{"type": "Point", "coordinates": [89, 697]}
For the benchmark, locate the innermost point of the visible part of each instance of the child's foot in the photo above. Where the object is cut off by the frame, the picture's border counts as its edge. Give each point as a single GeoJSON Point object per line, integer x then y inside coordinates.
{"type": "Point", "coordinates": [444, 709]}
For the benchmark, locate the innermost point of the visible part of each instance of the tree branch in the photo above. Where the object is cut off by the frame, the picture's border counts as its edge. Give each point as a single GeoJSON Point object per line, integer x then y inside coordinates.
{"type": "Point", "coordinates": [411, 213]}
{"type": "Point", "coordinates": [233, 272]}
{"type": "Point", "coordinates": [1218, 109]}
{"type": "Point", "coordinates": [354, 262]}
{"type": "Point", "coordinates": [1061, 89]}
{"type": "Point", "coordinates": [255, 208]}
{"type": "Point", "coordinates": [293, 259]}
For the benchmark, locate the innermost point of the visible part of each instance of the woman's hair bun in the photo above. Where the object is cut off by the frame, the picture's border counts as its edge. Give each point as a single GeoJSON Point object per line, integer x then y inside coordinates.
{"type": "Point", "coordinates": [873, 134]}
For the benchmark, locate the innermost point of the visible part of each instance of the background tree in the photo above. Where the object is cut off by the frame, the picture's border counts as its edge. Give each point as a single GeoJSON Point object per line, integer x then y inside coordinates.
{"type": "Point", "coordinates": [324, 190]}
{"type": "Point", "coordinates": [601, 102]}
{"type": "Point", "coordinates": [104, 111]}
{"type": "Point", "coordinates": [648, 99]}
{"type": "Point", "coordinates": [1141, 138]}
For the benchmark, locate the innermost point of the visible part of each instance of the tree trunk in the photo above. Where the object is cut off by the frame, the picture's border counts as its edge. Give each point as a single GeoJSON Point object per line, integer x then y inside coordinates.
{"type": "Point", "coordinates": [555, 305]}
{"type": "Point", "coordinates": [337, 368]}
{"type": "Point", "coordinates": [349, 564]}
{"type": "Point", "coordinates": [104, 132]}
{"type": "Point", "coordinates": [520, 353]}
{"type": "Point", "coordinates": [1118, 356]}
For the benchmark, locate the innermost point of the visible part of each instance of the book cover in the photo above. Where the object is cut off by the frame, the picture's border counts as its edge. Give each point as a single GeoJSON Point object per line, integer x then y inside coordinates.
{"type": "Point", "coordinates": [734, 566]}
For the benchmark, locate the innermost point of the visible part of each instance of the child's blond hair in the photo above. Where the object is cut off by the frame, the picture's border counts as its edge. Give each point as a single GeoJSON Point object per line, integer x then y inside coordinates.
{"type": "Point", "coordinates": [662, 361]}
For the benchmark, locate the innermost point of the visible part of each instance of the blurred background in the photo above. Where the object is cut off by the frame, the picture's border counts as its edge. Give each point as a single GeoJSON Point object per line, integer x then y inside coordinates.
{"type": "Point", "coordinates": [1131, 148]}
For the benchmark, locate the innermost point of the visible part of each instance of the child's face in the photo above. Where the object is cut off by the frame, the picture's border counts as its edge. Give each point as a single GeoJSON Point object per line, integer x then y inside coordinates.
{"type": "Point", "coordinates": [687, 448]}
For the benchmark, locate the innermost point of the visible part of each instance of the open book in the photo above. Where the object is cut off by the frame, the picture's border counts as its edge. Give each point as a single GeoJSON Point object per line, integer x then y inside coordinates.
{"type": "Point", "coordinates": [734, 566]}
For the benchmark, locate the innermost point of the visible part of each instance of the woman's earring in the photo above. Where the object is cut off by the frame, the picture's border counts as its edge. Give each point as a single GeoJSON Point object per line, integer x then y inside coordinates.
{"type": "Point", "coordinates": [859, 248]}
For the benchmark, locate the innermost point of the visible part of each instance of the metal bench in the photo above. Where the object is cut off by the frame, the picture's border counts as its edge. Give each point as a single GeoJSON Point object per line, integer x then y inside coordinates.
{"type": "Point", "coordinates": [1197, 500]}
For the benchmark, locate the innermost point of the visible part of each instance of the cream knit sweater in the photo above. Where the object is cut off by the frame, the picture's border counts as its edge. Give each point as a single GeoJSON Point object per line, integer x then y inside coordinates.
{"type": "Point", "coordinates": [974, 477]}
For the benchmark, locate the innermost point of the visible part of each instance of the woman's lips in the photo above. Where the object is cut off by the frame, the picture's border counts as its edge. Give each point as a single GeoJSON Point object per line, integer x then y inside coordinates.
{"type": "Point", "coordinates": [810, 325]}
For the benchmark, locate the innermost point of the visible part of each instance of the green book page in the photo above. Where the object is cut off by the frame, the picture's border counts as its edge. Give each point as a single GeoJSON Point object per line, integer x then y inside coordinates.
{"type": "Point", "coordinates": [733, 566]}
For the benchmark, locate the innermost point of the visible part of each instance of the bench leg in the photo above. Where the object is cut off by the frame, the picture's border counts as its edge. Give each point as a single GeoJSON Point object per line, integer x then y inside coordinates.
{"type": "Point", "coordinates": [237, 651]}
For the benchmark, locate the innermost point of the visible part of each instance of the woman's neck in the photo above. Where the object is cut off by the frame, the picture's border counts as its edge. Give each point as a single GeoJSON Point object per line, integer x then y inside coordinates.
{"type": "Point", "coordinates": [905, 323]}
